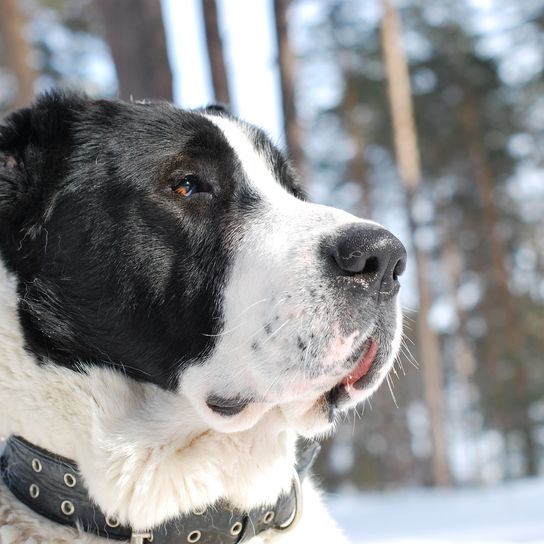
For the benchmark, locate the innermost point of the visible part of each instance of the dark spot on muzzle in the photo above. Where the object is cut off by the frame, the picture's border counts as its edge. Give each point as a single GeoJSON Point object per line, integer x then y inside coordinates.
{"type": "Point", "coordinates": [225, 406]}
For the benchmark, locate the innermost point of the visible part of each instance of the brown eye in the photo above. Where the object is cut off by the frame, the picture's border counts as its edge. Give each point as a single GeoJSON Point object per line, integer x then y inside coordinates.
{"type": "Point", "coordinates": [187, 186]}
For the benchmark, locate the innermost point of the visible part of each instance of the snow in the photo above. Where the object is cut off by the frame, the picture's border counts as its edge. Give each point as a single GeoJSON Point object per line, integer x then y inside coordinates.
{"type": "Point", "coordinates": [506, 514]}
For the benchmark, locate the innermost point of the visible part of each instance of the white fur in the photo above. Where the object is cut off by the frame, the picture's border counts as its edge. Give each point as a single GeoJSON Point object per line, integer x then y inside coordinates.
{"type": "Point", "coordinates": [147, 454]}
{"type": "Point", "coordinates": [142, 452]}
{"type": "Point", "coordinates": [274, 271]}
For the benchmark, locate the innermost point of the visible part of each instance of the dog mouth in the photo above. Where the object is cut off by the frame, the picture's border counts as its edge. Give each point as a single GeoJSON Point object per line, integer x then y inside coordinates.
{"type": "Point", "coordinates": [364, 363]}
{"type": "Point", "coordinates": [360, 376]}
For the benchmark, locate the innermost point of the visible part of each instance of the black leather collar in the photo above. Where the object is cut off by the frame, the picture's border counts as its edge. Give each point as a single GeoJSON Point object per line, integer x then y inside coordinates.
{"type": "Point", "coordinates": [52, 486]}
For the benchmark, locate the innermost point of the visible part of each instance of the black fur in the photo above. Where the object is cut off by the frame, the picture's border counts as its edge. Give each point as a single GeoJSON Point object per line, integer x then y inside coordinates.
{"type": "Point", "coordinates": [113, 267]}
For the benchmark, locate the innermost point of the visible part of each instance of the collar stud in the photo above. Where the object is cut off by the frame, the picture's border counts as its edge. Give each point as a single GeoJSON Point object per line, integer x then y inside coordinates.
{"type": "Point", "coordinates": [236, 529]}
{"type": "Point", "coordinates": [112, 521]}
{"type": "Point", "coordinates": [194, 536]}
{"type": "Point", "coordinates": [70, 480]}
{"type": "Point", "coordinates": [141, 537]}
{"type": "Point", "coordinates": [34, 491]}
{"type": "Point", "coordinates": [67, 508]}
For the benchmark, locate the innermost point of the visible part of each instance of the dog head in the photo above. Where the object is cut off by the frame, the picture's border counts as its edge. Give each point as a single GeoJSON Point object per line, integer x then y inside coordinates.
{"type": "Point", "coordinates": [177, 247]}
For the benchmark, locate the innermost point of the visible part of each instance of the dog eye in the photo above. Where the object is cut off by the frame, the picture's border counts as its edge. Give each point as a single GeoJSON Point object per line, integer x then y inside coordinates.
{"type": "Point", "coordinates": [187, 186]}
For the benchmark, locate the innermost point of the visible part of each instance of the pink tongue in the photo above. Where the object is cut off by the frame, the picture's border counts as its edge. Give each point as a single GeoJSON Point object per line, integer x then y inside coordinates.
{"type": "Point", "coordinates": [364, 364]}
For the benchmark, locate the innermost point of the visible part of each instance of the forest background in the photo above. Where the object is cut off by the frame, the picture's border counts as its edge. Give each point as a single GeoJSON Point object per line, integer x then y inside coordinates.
{"type": "Point", "coordinates": [424, 115]}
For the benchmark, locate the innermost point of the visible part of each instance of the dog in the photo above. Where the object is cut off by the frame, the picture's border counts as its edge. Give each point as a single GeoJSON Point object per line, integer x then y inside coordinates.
{"type": "Point", "coordinates": [176, 319]}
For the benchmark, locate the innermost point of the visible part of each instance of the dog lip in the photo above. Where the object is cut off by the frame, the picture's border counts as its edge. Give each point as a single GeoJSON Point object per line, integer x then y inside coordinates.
{"type": "Point", "coordinates": [364, 363]}
{"type": "Point", "coordinates": [357, 379]}
{"type": "Point", "coordinates": [226, 407]}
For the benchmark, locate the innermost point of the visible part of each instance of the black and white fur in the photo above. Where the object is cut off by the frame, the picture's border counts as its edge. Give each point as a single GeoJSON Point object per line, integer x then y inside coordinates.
{"type": "Point", "coordinates": [172, 346]}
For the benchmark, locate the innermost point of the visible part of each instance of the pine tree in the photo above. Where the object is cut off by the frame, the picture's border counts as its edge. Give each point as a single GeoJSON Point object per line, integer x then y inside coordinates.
{"type": "Point", "coordinates": [18, 51]}
{"type": "Point", "coordinates": [407, 153]}
{"type": "Point", "coordinates": [286, 61]}
{"type": "Point", "coordinates": [215, 52]}
{"type": "Point", "coordinates": [135, 33]}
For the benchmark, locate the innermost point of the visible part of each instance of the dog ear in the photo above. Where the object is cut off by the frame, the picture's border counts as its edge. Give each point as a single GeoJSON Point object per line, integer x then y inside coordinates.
{"type": "Point", "coordinates": [218, 109]}
{"type": "Point", "coordinates": [33, 144]}
{"type": "Point", "coordinates": [13, 182]}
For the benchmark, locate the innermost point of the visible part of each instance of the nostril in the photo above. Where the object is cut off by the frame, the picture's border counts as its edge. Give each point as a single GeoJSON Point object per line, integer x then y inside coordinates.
{"type": "Point", "coordinates": [371, 253]}
{"type": "Point", "coordinates": [399, 269]}
{"type": "Point", "coordinates": [372, 265]}
{"type": "Point", "coordinates": [357, 263]}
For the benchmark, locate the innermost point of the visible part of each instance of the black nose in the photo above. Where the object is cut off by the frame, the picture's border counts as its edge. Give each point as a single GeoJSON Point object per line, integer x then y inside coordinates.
{"type": "Point", "coordinates": [371, 253]}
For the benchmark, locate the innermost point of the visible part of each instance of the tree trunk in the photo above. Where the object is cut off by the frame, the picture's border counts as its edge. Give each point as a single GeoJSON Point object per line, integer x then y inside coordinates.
{"type": "Point", "coordinates": [135, 33]}
{"type": "Point", "coordinates": [215, 52]}
{"type": "Point", "coordinates": [407, 155]}
{"type": "Point", "coordinates": [287, 70]}
{"type": "Point", "coordinates": [354, 127]}
{"type": "Point", "coordinates": [502, 317]}
{"type": "Point", "coordinates": [485, 181]}
{"type": "Point", "coordinates": [464, 357]}
{"type": "Point", "coordinates": [465, 360]}
{"type": "Point", "coordinates": [18, 52]}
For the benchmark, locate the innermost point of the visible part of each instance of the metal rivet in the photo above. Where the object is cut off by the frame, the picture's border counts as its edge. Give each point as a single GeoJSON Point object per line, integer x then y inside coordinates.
{"type": "Point", "coordinates": [34, 491]}
{"type": "Point", "coordinates": [112, 521]}
{"type": "Point", "coordinates": [36, 465]}
{"type": "Point", "coordinates": [69, 480]}
{"type": "Point", "coordinates": [67, 508]}
{"type": "Point", "coordinates": [268, 517]}
{"type": "Point", "coordinates": [194, 536]}
{"type": "Point", "coordinates": [294, 518]}
{"type": "Point", "coordinates": [199, 511]}
{"type": "Point", "coordinates": [138, 538]}
{"type": "Point", "coordinates": [236, 529]}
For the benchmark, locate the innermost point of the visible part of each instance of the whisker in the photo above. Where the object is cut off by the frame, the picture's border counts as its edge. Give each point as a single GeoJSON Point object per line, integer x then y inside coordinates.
{"type": "Point", "coordinates": [224, 333]}
{"type": "Point", "coordinates": [277, 330]}
{"type": "Point", "coordinates": [357, 412]}
{"type": "Point", "coordinates": [398, 361]}
{"type": "Point", "coordinates": [304, 367]}
{"type": "Point", "coordinates": [243, 322]}
{"type": "Point", "coordinates": [408, 354]}
{"type": "Point", "coordinates": [391, 390]}
{"type": "Point", "coordinates": [408, 317]}
{"type": "Point", "coordinates": [252, 306]}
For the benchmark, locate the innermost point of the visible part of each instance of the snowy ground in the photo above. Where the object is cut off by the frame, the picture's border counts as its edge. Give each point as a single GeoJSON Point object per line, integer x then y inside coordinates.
{"type": "Point", "coordinates": [511, 513]}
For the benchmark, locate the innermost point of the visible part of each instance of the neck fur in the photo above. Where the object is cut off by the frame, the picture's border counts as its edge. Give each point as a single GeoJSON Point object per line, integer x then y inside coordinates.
{"type": "Point", "coordinates": [144, 454]}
